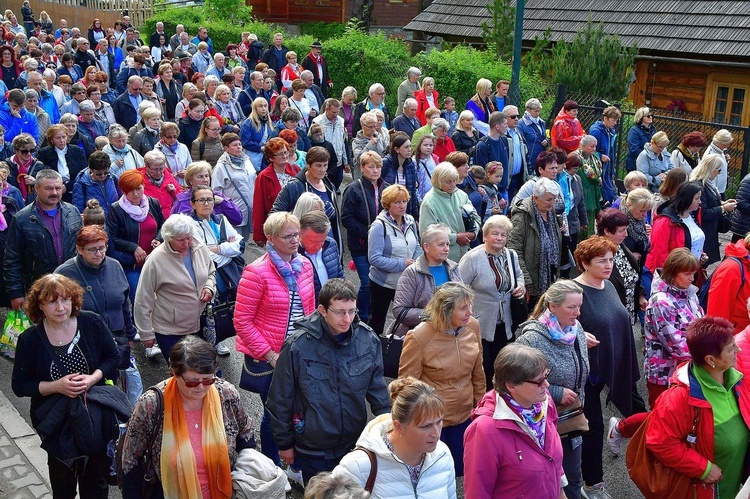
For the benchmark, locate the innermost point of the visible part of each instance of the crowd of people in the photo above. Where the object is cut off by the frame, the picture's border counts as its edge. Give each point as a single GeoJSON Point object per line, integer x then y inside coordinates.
{"type": "Point", "coordinates": [464, 228]}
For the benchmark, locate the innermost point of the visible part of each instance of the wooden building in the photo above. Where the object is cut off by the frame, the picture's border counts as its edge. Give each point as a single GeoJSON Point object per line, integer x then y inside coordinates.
{"type": "Point", "coordinates": [693, 55]}
{"type": "Point", "coordinates": [387, 13]}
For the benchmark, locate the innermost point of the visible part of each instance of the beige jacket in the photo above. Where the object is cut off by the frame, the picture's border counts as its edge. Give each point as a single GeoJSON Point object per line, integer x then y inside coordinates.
{"type": "Point", "coordinates": [451, 364]}
{"type": "Point", "coordinates": [167, 301]}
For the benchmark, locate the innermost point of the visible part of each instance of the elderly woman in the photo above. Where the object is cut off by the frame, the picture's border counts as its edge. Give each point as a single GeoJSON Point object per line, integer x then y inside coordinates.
{"type": "Point", "coordinates": [207, 146]}
{"type": "Point", "coordinates": [553, 329]}
{"type": "Point", "coordinates": [275, 290]}
{"type": "Point", "coordinates": [88, 125]}
{"type": "Point", "coordinates": [613, 360]}
{"type": "Point", "coordinates": [122, 157]}
{"type": "Point", "coordinates": [536, 238]}
{"type": "Point", "coordinates": [591, 177]}
{"type": "Point", "coordinates": [348, 102]}
{"type": "Point", "coordinates": [23, 166]}
{"type": "Point", "coordinates": [639, 135]}
{"type": "Point", "coordinates": [177, 280]}
{"type": "Point", "coordinates": [445, 351]}
{"type": "Point", "coordinates": [517, 418]}
{"type": "Point", "coordinates": [169, 91]}
{"type": "Point", "coordinates": [715, 214]}
{"type": "Point", "coordinates": [188, 90]}
{"type": "Point", "coordinates": [447, 204]}
{"type": "Point", "coordinates": [67, 353]}
{"type": "Point", "coordinates": [234, 178]}
{"type": "Point", "coordinates": [107, 293]}
{"type": "Point", "coordinates": [443, 143]}
{"type": "Point", "coordinates": [399, 168]}
{"type": "Point", "coordinates": [228, 107]}
{"type": "Point", "coordinates": [365, 141]}
{"type": "Point", "coordinates": [199, 174]}
{"type": "Point", "coordinates": [654, 161]}
{"type": "Point", "coordinates": [408, 436]}
{"type": "Point", "coordinates": [426, 98]}
{"type": "Point", "coordinates": [255, 132]}
{"type": "Point", "coordinates": [687, 154]}
{"type": "Point", "coordinates": [290, 72]}
{"type": "Point", "coordinates": [176, 153]}
{"type": "Point", "coordinates": [533, 129]}
{"type": "Point", "coordinates": [637, 207]}
{"type": "Point", "coordinates": [466, 136]}
{"type": "Point", "coordinates": [566, 132]}
{"type": "Point", "coordinates": [193, 397]}
{"type": "Point", "coordinates": [719, 145]}
{"type": "Point", "coordinates": [75, 137]}
{"type": "Point", "coordinates": [66, 159]}
{"type": "Point", "coordinates": [393, 245]}
{"type": "Point", "coordinates": [493, 273]}
{"type": "Point", "coordinates": [482, 106]}
{"type": "Point", "coordinates": [103, 112]}
{"type": "Point", "coordinates": [145, 140]}
{"type": "Point", "coordinates": [720, 421]}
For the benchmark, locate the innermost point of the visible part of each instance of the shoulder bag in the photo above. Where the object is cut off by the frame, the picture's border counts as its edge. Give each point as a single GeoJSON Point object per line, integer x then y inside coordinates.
{"type": "Point", "coordinates": [370, 484]}
{"type": "Point", "coordinates": [571, 422]}
{"type": "Point", "coordinates": [391, 347]}
{"type": "Point", "coordinates": [519, 308]}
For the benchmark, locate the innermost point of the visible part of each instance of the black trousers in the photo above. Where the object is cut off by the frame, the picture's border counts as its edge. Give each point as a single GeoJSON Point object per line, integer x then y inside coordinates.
{"type": "Point", "coordinates": [90, 480]}
{"type": "Point", "coordinates": [490, 349]}
{"type": "Point", "coordinates": [380, 301]}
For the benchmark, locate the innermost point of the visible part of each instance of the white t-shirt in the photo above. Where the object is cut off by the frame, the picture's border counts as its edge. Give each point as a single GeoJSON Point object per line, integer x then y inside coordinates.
{"type": "Point", "coordinates": [697, 237]}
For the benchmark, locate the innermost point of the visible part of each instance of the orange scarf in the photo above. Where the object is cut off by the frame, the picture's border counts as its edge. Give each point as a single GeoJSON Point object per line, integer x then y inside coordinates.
{"type": "Point", "coordinates": [179, 476]}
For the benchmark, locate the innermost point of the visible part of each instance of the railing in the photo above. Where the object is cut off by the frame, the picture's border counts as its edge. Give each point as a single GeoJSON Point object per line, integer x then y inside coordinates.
{"type": "Point", "coordinates": [81, 13]}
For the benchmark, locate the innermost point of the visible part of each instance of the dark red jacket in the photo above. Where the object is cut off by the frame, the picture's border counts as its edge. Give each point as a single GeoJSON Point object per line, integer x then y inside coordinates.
{"type": "Point", "coordinates": [267, 189]}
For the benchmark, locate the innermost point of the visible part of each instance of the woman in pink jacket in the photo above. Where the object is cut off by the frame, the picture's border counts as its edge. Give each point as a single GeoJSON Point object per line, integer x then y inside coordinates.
{"type": "Point", "coordinates": [275, 291]}
{"type": "Point", "coordinates": [512, 448]}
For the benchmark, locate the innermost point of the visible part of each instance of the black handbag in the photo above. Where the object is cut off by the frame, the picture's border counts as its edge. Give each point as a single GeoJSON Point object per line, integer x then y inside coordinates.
{"type": "Point", "coordinates": [391, 347]}
{"type": "Point", "coordinates": [256, 375]}
{"type": "Point", "coordinates": [123, 348]}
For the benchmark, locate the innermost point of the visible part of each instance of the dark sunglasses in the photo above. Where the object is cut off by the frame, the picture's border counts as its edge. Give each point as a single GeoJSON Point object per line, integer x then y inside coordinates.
{"type": "Point", "coordinates": [649, 116]}
{"type": "Point", "coordinates": [25, 151]}
{"type": "Point", "coordinates": [514, 116]}
{"type": "Point", "coordinates": [205, 382]}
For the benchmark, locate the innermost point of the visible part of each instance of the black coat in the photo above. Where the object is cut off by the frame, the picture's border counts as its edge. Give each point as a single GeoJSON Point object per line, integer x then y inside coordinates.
{"type": "Point", "coordinates": [124, 231]}
{"type": "Point", "coordinates": [76, 159]}
{"type": "Point", "coordinates": [307, 63]}
{"type": "Point", "coordinates": [361, 109]}
{"type": "Point", "coordinates": [711, 216]}
{"type": "Point", "coordinates": [741, 215]}
{"type": "Point", "coordinates": [616, 279]}
{"type": "Point", "coordinates": [358, 213]}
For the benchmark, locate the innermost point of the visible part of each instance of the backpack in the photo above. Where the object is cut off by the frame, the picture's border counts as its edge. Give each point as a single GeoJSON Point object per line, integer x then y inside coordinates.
{"type": "Point", "coordinates": [703, 293]}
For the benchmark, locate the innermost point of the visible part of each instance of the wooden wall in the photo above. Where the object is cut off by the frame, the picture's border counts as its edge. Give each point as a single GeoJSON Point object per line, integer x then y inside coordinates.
{"type": "Point", "coordinates": [386, 12]}
{"type": "Point", "coordinates": [390, 13]}
{"type": "Point", "coordinates": [108, 11]}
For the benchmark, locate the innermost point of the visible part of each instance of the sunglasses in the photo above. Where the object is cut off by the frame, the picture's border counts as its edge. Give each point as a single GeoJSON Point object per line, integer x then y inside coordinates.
{"type": "Point", "coordinates": [24, 151]}
{"type": "Point", "coordinates": [193, 384]}
{"type": "Point", "coordinates": [514, 116]}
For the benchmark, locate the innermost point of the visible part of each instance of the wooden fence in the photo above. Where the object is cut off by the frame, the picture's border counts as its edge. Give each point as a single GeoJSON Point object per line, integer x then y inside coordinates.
{"type": "Point", "coordinates": [81, 13]}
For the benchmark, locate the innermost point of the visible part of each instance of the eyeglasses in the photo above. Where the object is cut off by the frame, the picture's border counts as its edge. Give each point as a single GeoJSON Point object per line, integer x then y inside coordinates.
{"type": "Point", "coordinates": [80, 92]}
{"type": "Point", "coordinates": [540, 383]}
{"type": "Point", "coordinates": [204, 201]}
{"type": "Point", "coordinates": [94, 251]}
{"type": "Point", "coordinates": [343, 313]}
{"type": "Point", "coordinates": [281, 155]}
{"type": "Point", "coordinates": [213, 129]}
{"type": "Point", "coordinates": [99, 173]}
{"type": "Point", "coordinates": [649, 116]}
{"type": "Point", "coordinates": [24, 151]}
{"type": "Point", "coordinates": [193, 384]}
{"type": "Point", "coordinates": [170, 136]}
{"type": "Point", "coordinates": [379, 93]}
{"type": "Point", "coordinates": [290, 237]}
{"type": "Point", "coordinates": [514, 116]}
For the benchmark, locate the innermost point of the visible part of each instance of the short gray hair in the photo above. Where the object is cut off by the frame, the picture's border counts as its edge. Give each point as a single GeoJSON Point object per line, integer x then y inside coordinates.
{"type": "Point", "coordinates": [497, 222]}
{"type": "Point", "coordinates": [410, 101]}
{"type": "Point", "coordinates": [506, 109]}
{"type": "Point", "coordinates": [68, 118]}
{"type": "Point", "coordinates": [588, 140]}
{"type": "Point", "coordinates": [374, 88]}
{"type": "Point", "coordinates": [32, 94]}
{"type": "Point", "coordinates": [176, 226]}
{"type": "Point", "coordinates": [86, 105]}
{"type": "Point", "coordinates": [442, 172]}
{"type": "Point", "coordinates": [546, 186]}
{"type": "Point", "coordinates": [48, 72]}
{"type": "Point", "coordinates": [440, 124]}
{"type": "Point", "coordinates": [154, 157]}
{"type": "Point", "coordinates": [305, 74]}
{"type": "Point", "coordinates": [533, 104]}
{"type": "Point", "coordinates": [368, 117]}
{"type": "Point", "coordinates": [117, 131]}
{"type": "Point", "coordinates": [413, 71]}
{"type": "Point", "coordinates": [47, 174]}
{"type": "Point", "coordinates": [429, 235]}
{"type": "Point", "coordinates": [348, 91]}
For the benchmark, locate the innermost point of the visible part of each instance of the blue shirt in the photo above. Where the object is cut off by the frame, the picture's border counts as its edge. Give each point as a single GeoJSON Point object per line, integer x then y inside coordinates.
{"type": "Point", "coordinates": [440, 274]}
{"type": "Point", "coordinates": [135, 100]}
{"type": "Point", "coordinates": [517, 159]}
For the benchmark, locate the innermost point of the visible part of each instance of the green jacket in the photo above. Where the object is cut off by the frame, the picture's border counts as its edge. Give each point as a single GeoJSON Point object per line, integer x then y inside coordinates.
{"type": "Point", "coordinates": [440, 207]}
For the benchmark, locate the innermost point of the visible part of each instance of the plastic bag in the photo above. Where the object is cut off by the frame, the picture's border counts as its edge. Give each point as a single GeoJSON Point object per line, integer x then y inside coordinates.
{"type": "Point", "coordinates": [15, 323]}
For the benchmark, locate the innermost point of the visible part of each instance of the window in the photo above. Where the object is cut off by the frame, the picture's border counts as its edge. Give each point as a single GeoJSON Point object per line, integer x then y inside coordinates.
{"type": "Point", "coordinates": [727, 100]}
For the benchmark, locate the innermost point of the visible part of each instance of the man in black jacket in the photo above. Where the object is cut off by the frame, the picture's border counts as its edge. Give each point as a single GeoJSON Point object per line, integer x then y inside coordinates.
{"type": "Point", "coordinates": [315, 63]}
{"type": "Point", "coordinates": [376, 100]}
{"type": "Point", "coordinates": [323, 375]}
{"type": "Point", "coordinates": [41, 237]}
{"type": "Point", "coordinates": [83, 56]}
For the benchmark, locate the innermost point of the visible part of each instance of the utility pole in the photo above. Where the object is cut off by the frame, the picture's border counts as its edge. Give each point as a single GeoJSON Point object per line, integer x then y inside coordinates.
{"type": "Point", "coordinates": [515, 78]}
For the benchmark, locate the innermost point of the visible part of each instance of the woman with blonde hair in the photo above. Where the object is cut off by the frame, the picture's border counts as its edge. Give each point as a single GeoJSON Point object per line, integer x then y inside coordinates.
{"type": "Point", "coordinates": [482, 106]}
{"type": "Point", "coordinates": [188, 89]}
{"type": "Point", "coordinates": [411, 459]}
{"type": "Point", "coordinates": [228, 107]}
{"type": "Point", "coordinates": [306, 203]}
{"type": "Point", "coordinates": [715, 213]}
{"type": "Point", "coordinates": [466, 136]}
{"type": "Point", "coordinates": [198, 174]}
{"type": "Point", "coordinates": [255, 132]}
{"type": "Point", "coordinates": [654, 161]}
{"type": "Point", "coordinates": [639, 135]}
{"type": "Point", "coordinates": [638, 206]}
{"type": "Point", "coordinates": [445, 351]}
{"type": "Point", "coordinates": [348, 100]}
{"type": "Point", "coordinates": [719, 145]}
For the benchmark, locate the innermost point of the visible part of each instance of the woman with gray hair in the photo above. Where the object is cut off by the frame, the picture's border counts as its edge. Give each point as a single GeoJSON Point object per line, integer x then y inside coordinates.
{"type": "Point", "coordinates": [493, 273]}
{"type": "Point", "coordinates": [536, 238]}
{"type": "Point", "coordinates": [122, 157]}
{"type": "Point", "coordinates": [32, 106]}
{"type": "Point", "coordinates": [591, 179]}
{"type": "Point", "coordinates": [177, 281]}
{"type": "Point", "coordinates": [534, 130]}
{"type": "Point", "coordinates": [366, 140]}
{"type": "Point", "coordinates": [408, 88]}
{"type": "Point", "coordinates": [719, 145]}
{"type": "Point", "coordinates": [418, 282]}
{"type": "Point", "coordinates": [447, 204]}
{"type": "Point", "coordinates": [443, 144]}
{"type": "Point", "coordinates": [445, 351]}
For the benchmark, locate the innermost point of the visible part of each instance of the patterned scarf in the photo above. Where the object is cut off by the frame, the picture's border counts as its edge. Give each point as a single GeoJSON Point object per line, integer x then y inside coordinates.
{"type": "Point", "coordinates": [637, 231]}
{"type": "Point", "coordinates": [179, 476]}
{"type": "Point", "coordinates": [23, 169]}
{"type": "Point", "coordinates": [137, 213]}
{"type": "Point", "coordinates": [535, 418]}
{"type": "Point", "coordinates": [565, 335]}
{"type": "Point", "coordinates": [550, 247]}
{"type": "Point", "coordinates": [290, 271]}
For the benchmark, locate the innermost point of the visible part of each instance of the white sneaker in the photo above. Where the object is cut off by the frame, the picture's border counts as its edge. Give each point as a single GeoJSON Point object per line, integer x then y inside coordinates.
{"type": "Point", "coordinates": [137, 337]}
{"type": "Point", "coordinates": [595, 492]}
{"type": "Point", "coordinates": [295, 476]}
{"type": "Point", "coordinates": [614, 438]}
{"type": "Point", "coordinates": [153, 351]}
{"type": "Point", "coordinates": [222, 349]}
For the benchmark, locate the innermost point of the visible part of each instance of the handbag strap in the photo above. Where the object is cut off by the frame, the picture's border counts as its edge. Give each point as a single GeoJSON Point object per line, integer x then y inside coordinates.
{"type": "Point", "coordinates": [242, 196]}
{"type": "Point", "coordinates": [373, 468]}
{"type": "Point", "coordinates": [397, 323]}
{"type": "Point", "coordinates": [89, 288]}
{"type": "Point", "coordinates": [367, 206]}
{"type": "Point", "coordinates": [512, 264]}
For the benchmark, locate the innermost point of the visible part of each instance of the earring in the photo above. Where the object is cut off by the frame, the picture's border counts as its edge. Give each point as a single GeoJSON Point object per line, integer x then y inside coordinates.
{"type": "Point", "coordinates": [713, 366]}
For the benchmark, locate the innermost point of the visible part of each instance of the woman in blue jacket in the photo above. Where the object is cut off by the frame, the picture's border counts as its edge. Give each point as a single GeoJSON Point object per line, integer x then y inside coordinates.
{"type": "Point", "coordinates": [639, 135]}
{"type": "Point", "coordinates": [399, 168]}
{"type": "Point", "coordinates": [605, 131]}
{"type": "Point", "coordinates": [255, 132]}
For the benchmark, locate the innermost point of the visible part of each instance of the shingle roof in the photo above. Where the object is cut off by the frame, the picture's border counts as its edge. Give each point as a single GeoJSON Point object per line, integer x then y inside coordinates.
{"type": "Point", "coordinates": [719, 27]}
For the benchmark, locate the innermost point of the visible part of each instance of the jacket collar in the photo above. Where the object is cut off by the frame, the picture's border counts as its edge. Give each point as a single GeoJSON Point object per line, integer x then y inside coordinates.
{"type": "Point", "coordinates": [423, 267]}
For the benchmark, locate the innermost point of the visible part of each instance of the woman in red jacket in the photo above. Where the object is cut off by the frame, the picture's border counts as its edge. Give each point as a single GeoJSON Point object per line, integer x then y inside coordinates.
{"type": "Point", "coordinates": [426, 98]}
{"type": "Point", "coordinates": [708, 388]}
{"type": "Point", "coordinates": [567, 130]}
{"type": "Point", "coordinates": [730, 286]}
{"type": "Point", "coordinates": [269, 183]}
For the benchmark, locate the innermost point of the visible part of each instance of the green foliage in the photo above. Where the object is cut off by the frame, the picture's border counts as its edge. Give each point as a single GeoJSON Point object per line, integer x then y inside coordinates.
{"type": "Point", "coordinates": [234, 11]}
{"type": "Point", "coordinates": [301, 45]}
{"type": "Point", "coordinates": [498, 32]}
{"type": "Point", "coordinates": [595, 62]}
{"type": "Point", "coordinates": [322, 31]}
{"type": "Point", "coordinates": [456, 72]}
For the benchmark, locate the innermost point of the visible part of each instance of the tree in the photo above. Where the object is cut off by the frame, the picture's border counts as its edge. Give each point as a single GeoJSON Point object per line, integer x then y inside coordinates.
{"type": "Point", "coordinates": [594, 62]}
{"type": "Point", "coordinates": [362, 10]}
{"type": "Point", "coordinates": [233, 10]}
{"type": "Point", "coordinates": [498, 33]}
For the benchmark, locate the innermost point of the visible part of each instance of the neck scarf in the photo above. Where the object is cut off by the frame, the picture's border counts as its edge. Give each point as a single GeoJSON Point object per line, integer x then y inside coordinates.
{"type": "Point", "coordinates": [23, 169]}
{"type": "Point", "coordinates": [290, 271]}
{"type": "Point", "coordinates": [550, 247]}
{"type": "Point", "coordinates": [137, 213]}
{"type": "Point", "coordinates": [238, 161]}
{"type": "Point", "coordinates": [535, 418]}
{"type": "Point", "coordinates": [637, 231]}
{"type": "Point", "coordinates": [565, 335]}
{"type": "Point", "coordinates": [179, 476]}
{"type": "Point", "coordinates": [122, 151]}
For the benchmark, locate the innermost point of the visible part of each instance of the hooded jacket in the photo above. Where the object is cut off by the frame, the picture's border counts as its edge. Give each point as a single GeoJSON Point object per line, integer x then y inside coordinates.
{"type": "Point", "coordinates": [566, 132]}
{"type": "Point", "coordinates": [727, 296]}
{"type": "Point", "coordinates": [502, 459]}
{"type": "Point", "coordinates": [638, 136]}
{"type": "Point", "coordinates": [389, 248]}
{"type": "Point", "coordinates": [14, 126]}
{"type": "Point", "coordinates": [652, 165]}
{"type": "Point", "coordinates": [741, 215]}
{"type": "Point", "coordinates": [667, 233]}
{"type": "Point", "coordinates": [439, 206]}
{"type": "Point", "coordinates": [436, 481]}
{"type": "Point", "coordinates": [86, 188]}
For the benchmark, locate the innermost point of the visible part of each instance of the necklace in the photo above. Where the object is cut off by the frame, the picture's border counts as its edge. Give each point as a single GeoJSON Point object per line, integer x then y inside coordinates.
{"type": "Point", "coordinates": [586, 282]}
{"type": "Point", "coordinates": [60, 335]}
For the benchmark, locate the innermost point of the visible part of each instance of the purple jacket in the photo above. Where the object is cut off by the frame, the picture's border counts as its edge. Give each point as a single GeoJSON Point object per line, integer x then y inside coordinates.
{"type": "Point", "coordinates": [226, 208]}
{"type": "Point", "coordinates": [502, 460]}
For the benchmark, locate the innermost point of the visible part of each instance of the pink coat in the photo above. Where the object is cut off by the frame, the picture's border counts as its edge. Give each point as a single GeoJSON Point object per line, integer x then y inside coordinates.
{"type": "Point", "coordinates": [263, 307]}
{"type": "Point", "coordinates": [502, 460]}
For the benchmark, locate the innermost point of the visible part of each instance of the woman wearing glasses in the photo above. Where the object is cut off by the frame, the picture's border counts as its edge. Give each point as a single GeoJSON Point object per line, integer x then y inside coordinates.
{"type": "Point", "coordinates": [445, 351]}
{"type": "Point", "coordinates": [177, 281]}
{"type": "Point", "coordinates": [639, 135]}
{"type": "Point", "coordinates": [512, 446]}
{"type": "Point", "coordinates": [95, 183]}
{"type": "Point", "coordinates": [276, 290]}
{"type": "Point", "coordinates": [203, 426]}
{"type": "Point", "coordinates": [654, 161]}
{"type": "Point", "coordinates": [23, 166]}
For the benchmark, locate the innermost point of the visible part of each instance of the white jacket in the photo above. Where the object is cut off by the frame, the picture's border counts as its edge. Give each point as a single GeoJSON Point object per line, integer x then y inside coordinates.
{"type": "Point", "coordinates": [438, 478]}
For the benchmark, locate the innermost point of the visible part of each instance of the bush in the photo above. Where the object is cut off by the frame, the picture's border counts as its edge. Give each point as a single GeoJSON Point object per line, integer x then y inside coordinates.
{"type": "Point", "coordinates": [322, 31]}
{"type": "Point", "coordinates": [301, 45]}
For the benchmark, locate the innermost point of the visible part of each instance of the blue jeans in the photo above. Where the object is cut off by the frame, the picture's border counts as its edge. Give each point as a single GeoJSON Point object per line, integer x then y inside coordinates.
{"type": "Point", "coordinates": [311, 464]}
{"type": "Point", "coordinates": [133, 276]}
{"type": "Point", "coordinates": [267, 444]}
{"type": "Point", "coordinates": [453, 437]}
{"type": "Point", "coordinates": [363, 296]}
{"type": "Point", "coordinates": [132, 381]}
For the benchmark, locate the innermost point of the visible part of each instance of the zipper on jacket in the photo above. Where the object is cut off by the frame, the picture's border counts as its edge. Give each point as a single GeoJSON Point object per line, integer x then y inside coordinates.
{"type": "Point", "coordinates": [458, 350]}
